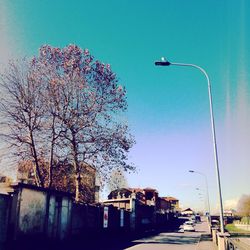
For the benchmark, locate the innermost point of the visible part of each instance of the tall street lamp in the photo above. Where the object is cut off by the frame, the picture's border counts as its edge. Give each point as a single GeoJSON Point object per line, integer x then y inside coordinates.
{"type": "Point", "coordinates": [164, 62]}
{"type": "Point", "coordinates": [208, 203]}
{"type": "Point", "coordinates": [201, 198]}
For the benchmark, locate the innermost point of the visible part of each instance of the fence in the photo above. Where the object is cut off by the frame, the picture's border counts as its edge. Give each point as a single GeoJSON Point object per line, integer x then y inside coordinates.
{"type": "Point", "coordinates": [242, 225]}
{"type": "Point", "coordinates": [37, 213]}
{"type": "Point", "coordinates": [4, 212]}
{"type": "Point", "coordinates": [232, 241]}
{"type": "Point", "coordinates": [88, 219]}
{"type": "Point", "coordinates": [236, 244]}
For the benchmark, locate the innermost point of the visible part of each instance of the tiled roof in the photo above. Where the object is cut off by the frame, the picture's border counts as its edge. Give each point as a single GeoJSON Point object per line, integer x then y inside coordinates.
{"type": "Point", "coordinates": [136, 190]}
{"type": "Point", "coordinates": [169, 198]}
{"type": "Point", "coordinates": [186, 210]}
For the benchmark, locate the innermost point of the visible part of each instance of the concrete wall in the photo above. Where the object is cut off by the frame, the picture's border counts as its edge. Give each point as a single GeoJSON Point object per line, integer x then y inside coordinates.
{"type": "Point", "coordinates": [65, 217]}
{"type": "Point", "coordinates": [242, 226]}
{"type": "Point", "coordinates": [51, 216]}
{"type": "Point", "coordinates": [4, 212]}
{"type": "Point", "coordinates": [88, 219]}
{"type": "Point", "coordinates": [43, 213]}
{"type": "Point", "coordinates": [49, 213]}
{"type": "Point", "coordinates": [32, 211]}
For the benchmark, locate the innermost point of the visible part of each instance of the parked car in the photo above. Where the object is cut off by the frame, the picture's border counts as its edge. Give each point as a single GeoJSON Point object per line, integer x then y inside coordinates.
{"type": "Point", "coordinates": [215, 223]}
{"type": "Point", "coordinates": [181, 230]}
{"type": "Point", "coordinates": [188, 227]}
{"type": "Point", "coordinates": [189, 222]}
{"type": "Point", "coordinates": [194, 221]}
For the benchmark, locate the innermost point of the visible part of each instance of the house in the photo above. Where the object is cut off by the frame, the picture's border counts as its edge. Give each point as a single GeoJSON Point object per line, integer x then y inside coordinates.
{"type": "Point", "coordinates": [63, 179]}
{"type": "Point", "coordinates": [187, 212]}
{"type": "Point", "coordinates": [164, 206]}
{"type": "Point", "coordinates": [173, 203]}
{"type": "Point", "coordinates": [120, 198]}
{"type": "Point", "coordinates": [151, 196]}
{"type": "Point", "coordinates": [141, 203]}
{"type": "Point", "coordinates": [123, 198]}
{"type": "Point", "coordinates": [229, 213]}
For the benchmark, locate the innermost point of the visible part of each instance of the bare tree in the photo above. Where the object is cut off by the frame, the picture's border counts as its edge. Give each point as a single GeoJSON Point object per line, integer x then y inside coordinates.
{"type": "Point", "coordinates": [88, 102]}
{"type": "Point", "coordinates": [31, 127]}
{"type": "Point", "coordinates": [64, 105]}
{"type": "Point", "coordinates": [23, 111]}
{"type": "Point", "coordinates": [117, 180]}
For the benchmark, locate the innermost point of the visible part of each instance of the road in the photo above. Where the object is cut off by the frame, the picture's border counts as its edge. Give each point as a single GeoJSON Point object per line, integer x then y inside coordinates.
{"type": "Point", "coordinates": [172, 241]}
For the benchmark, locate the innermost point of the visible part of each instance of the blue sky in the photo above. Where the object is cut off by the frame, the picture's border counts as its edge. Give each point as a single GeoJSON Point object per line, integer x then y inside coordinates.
{"type": "Point", "coordinates": [168, 107]}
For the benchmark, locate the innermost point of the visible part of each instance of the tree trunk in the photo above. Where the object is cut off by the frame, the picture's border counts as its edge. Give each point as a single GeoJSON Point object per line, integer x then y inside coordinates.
{"type": "Point", "coordinates": [76, 167]}
{"type": "Point", "coordinates": [37, 173]}
{"type": "Point", "coordinates": [77, 181]}
{"type": "Point", "coordinates": [50, 165]}
{"type": "Point", "coordinates": [52, 153]}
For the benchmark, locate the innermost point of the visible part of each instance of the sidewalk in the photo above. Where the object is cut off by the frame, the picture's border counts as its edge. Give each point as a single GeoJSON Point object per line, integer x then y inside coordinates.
{"type": "Point", "coordinates": [205, 242]}
{"type": "Point", "coordinates": [206, 245]}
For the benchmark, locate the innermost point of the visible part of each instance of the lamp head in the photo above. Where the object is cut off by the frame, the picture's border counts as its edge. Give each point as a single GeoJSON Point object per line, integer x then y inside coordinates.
{"type": "Point", "coordinates": [163, 62]}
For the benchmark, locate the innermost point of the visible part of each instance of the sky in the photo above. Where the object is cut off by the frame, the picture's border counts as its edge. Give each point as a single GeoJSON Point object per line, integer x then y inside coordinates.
{"type": "Point", "coordinates": [168, 108]}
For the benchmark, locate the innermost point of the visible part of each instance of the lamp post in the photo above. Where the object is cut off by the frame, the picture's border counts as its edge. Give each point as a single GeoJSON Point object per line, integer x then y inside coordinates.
{"type": "Point", "coordinates": [164, 62]}
{"type": "Point", "coordinates": [201, 198]}
{"type": "Point", "coordinates": [207, 194]}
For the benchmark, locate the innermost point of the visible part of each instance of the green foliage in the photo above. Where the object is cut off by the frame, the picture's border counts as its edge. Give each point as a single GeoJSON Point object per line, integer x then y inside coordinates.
{"type": "Point", "coordinates": [231, 228]}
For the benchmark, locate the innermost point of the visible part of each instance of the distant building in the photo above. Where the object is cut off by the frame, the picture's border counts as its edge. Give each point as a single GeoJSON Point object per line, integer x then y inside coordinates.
{"type": "Point", "coordinates": [173, 203]}
{"type": "Point", "coordinates": [229, 213]}
{"type": "Point", "coordinates": [123, 198]}
{"type": "Point", "coordinates": [141, 203]}
{"type": "Point", "coordinates": [187, 212]}
{"type": "Point", "coordinates": [5, 183]}
{"type": "Point", "coordinates": [63, 179]}
{"type": "Point", "coordinates": [164, 206]}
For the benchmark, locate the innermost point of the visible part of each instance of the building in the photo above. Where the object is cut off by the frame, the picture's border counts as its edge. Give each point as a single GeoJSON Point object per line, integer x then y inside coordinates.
{"type": "Point", "coordinates": [229, 213]}
{"type": "Point", "coordinates": [187, 212]}
{"type": "Point", "coordinates": [123, 198]}
{"type": "Point", "coordinates": [63, 179]}
{"type": "Point", "coordinates": [173, 203]}
{"type": "Point", "coordinates": [5, 183]}
{"type": "Point", "coordinates": [141, 203]}
{"type": "Point", "coordinates": [164, 206]}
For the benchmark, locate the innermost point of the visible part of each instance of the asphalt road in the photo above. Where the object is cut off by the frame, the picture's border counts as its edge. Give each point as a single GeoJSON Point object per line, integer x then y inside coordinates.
{"type": "Point", "coordinates": [171, 241]}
